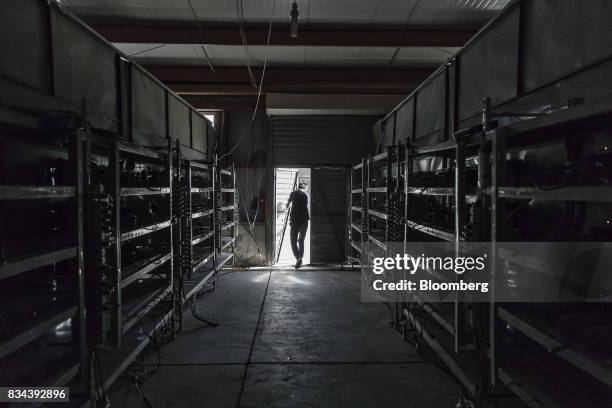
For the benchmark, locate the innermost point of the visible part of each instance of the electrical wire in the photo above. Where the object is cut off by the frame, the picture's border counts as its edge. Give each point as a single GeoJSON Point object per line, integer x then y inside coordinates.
{"type": "Point", "coordinates": [252, 224]}
{"type": "Point", "coordinates": [194, 306]}
{"type": "Point", "coordinates": [397, 50]}
{"type": "Point", "coordinates": [147, 50]}
{"type": "Point", "coordinates": [243, 39]}
{"type": "Point", "coordinates": [206, 56]}
{"type": "Point", "coordinates": [263, 73]}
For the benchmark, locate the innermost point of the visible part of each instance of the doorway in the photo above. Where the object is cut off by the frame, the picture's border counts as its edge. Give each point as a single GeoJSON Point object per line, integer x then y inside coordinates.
{"type": "Point", "coordinates": [285, 181]}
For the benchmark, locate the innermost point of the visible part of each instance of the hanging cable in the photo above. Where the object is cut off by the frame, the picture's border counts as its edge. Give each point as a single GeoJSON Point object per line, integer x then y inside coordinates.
{"type": "Point", "coordinates": [243, 39]}
{"type": "Point", "coordinates": [397, 50]}
{"type": "Point", "coordinates": [263, 73]}
{"type": "Point", "coordinates": [252, 225]}
{"type": "Point", "coordinates": [147, 50]}
{"type": "Point", "coordinates": [206, 56]}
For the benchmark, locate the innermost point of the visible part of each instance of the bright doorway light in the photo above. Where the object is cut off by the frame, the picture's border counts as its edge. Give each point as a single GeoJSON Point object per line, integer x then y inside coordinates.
{"type": "Point", "coordinates": [285, 181]}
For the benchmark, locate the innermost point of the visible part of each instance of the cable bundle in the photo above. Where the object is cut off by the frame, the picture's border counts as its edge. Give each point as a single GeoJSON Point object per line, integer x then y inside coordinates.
{"type": "Point", "coordinates": [395, 219]}
{"type": "Point", "coordinates": [103, 280]}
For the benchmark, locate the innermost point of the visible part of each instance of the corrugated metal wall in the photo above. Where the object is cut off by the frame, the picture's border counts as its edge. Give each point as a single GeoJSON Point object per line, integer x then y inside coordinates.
{"type": "Point", "coordinates": [321, 140]}
{"type": "Point", "coordinates": [328, 215]}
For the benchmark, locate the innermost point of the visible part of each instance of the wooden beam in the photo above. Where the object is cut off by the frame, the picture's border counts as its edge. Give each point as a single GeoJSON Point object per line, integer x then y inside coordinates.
{"type": "Point", "coordinates": [310, 35]}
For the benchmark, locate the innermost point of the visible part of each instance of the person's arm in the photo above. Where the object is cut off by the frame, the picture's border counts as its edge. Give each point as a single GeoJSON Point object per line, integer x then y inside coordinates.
{"type": "Point", "coordinates": [291, 197]}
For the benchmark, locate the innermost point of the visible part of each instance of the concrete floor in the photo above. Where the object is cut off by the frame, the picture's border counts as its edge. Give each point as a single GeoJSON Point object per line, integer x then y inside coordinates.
{"type": "Point", "coordinates": [298, 339]}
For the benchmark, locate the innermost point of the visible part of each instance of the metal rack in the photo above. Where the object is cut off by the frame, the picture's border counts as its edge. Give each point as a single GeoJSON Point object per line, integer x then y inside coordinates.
{"type": "Point", "coordinates": [105, 108]}
{"type": "Point", "coordinates": [378, 190]}
{"type": "Point", "coordinates": [451, 337]}
{"type": "Point", "coordinates": [50, 345]}
{"type": "Point", "coordinates": [130, 255]}
{"type": "Point", "coordinates": [453, 334]}
{"type": "Point", "coordinates": [591, 375]}
{"type": "Point", "coordinates": [226, 214]}
{"type": "Point", "coordinates": [537, 97]}
{"type": "Point", "coordinates": [357, 203]}
{"type": "Point", "coordinates": [195, 244]}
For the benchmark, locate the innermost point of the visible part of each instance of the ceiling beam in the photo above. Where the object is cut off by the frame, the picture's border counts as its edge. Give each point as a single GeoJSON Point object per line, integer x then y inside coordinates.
{"type": "Point", "coordinates": [199, 80]}
{"type": "Point", "coordinates": [310, 35]}
{"type": "Point", "coordinates": [228, 103]}
{"type": "Point", "coordinates": [201, 88]}
{"type": "Point", "coordinates": [409, 77]}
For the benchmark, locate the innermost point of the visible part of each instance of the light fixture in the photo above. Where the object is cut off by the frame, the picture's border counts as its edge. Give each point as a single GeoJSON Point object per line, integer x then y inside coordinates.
{"type": "Point", "coordinates": [294, 20]}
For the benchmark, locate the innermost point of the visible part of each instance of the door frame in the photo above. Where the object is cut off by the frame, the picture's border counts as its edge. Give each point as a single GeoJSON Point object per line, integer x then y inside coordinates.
{"type": "Point", "coordinates": [272, 234]}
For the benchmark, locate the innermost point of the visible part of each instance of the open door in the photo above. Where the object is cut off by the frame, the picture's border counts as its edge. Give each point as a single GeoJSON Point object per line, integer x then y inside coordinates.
{"type": "Point", "coordinates": [286, 180]}
{"type": "Point", "coordinates": [328, 214]}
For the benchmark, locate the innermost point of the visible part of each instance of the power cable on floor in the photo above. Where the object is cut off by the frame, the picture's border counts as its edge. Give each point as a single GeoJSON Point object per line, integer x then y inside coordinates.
{"type": "Point", "coordinates": [194, 307]}
{"type": "Point", "coordinates": [246, 368]}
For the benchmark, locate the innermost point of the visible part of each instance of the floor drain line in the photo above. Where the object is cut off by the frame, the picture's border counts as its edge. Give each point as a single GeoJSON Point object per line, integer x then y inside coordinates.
{"type": "Point", "coordinates": [246, 368]}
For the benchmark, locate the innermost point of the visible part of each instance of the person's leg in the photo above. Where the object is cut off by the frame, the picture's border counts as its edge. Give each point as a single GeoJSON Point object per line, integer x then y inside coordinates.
{"type": "Point", "coordinates": [301, 238]}
{"type": "Point", "coordinates": [293, 234]}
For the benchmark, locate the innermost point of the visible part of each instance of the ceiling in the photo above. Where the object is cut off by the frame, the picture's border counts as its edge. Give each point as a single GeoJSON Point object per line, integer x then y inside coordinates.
{"type": "Point", "coordinates": [439, 12]}
{"type": "Point", "coordinates": [195, 46]}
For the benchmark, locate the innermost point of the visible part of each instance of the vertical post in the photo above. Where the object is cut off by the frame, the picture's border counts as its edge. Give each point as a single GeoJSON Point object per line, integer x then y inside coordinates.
{"type": "Point", "coordinates": [216, 197]}
{"type": "Point", "coordinates": [364, 202]}
{"type": "Point", "coordinates": [172, 224]}
{"type": "Point", "coordinates": [79, 328]}
{"type": "Point", "coordinates": [390, 190]}
{"type": "Point", "coordinates": [366, 207]}
{"type": "Point", "coordinates": [115, 190]}
{"type": "Point", "coordinates": [407, 163]}
{"type": "Point", "coordinates": [235, 213]}
{"type": "Point", "coordinates": [349, 232]}
{"type": "Point", "coordinates": [497, 220]}
{"type": "Point", "coordinates": [179, 217]}
{"type": "Point", "coordinates": [407, 173]}
{"type": "Point", "coordinates": [188, 185]}
{"type": "Point", "coordinates": [460, 210]}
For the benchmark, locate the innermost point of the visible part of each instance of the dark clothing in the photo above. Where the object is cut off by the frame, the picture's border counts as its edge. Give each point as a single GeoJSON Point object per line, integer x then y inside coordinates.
{"type": "Point", "coordinates": [298, 233]}
{"type": "Point", "coordinates": [299, 207]}
{"type": "Point", "coordinates": [299, 221]}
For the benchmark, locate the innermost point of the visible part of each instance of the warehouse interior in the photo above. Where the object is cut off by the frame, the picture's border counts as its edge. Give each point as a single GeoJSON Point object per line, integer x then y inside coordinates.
{"type": "Point", "coordinates": [148, 151]}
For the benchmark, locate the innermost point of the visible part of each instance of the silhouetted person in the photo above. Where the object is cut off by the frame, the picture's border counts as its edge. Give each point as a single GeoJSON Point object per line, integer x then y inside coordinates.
{"type": "Point", "coordinates": [299, 221]}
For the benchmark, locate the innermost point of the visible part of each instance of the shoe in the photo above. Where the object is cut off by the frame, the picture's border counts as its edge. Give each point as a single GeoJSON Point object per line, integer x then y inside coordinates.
{"type": "Point", "coordinates": [298, 264]}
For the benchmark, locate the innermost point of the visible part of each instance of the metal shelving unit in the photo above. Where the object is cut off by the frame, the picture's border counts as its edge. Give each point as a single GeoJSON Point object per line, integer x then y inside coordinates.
{"type": "Point", "coordinates": [588, 369]}
{"type": "Point", "coordinates": [435, 210]}
{"type": "Point", "coordinates": [504, 363]}
{"type": "Point", "coordinates": [47, 343]}
{"type": "Point", "coordinates": [195, 213]}
{"type": "Point", "coordinates": [226, 213]}
{"type": "Point", "coordinates": [130, 257]}
{"type": "Point", "coordinates": [357, 207]}
{"type": "Point", "coordinates": [402, 191]}
{"type": "Point", "coordinates": [381, 181]}
{"type": "Point", "coordinates": [82, 120]}
{"type": "Point", "coordinates": [205, 197]}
